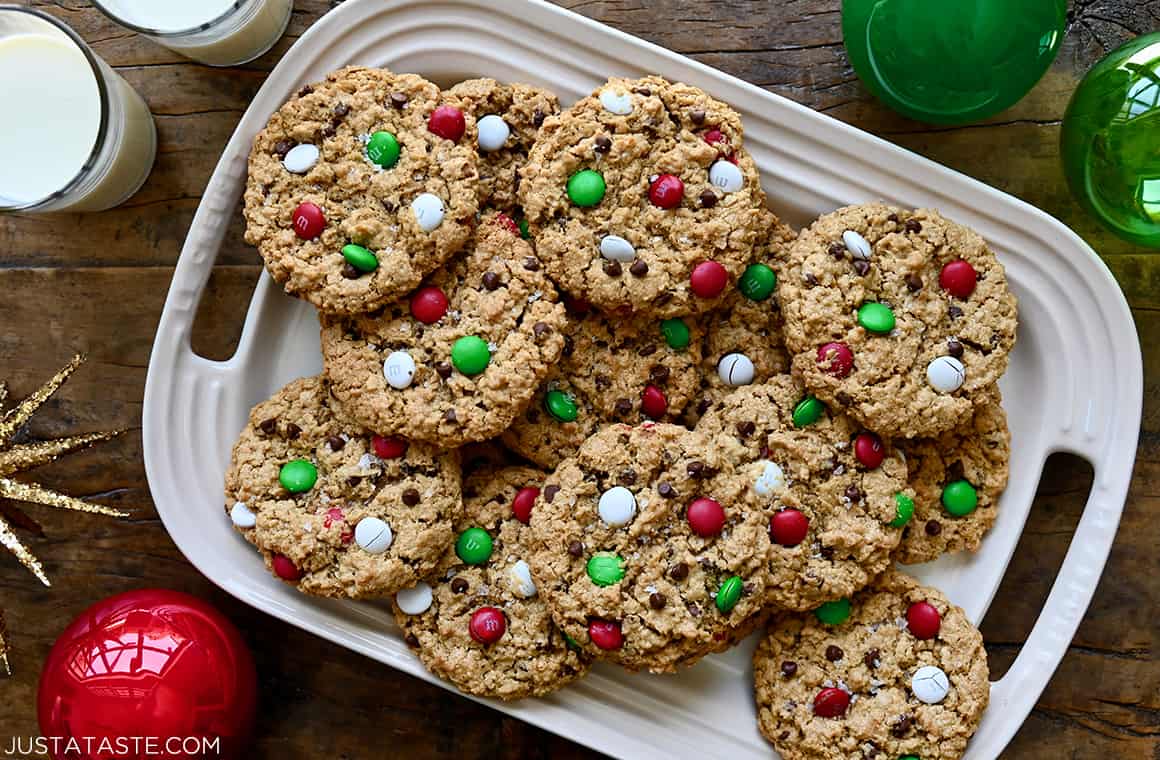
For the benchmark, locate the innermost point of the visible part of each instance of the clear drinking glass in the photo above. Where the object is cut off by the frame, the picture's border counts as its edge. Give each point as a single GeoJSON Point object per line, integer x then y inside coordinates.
{"type": "Point", "coordinates": [76, 136]}
{"type": "Point", "coordinates": [214, 32]}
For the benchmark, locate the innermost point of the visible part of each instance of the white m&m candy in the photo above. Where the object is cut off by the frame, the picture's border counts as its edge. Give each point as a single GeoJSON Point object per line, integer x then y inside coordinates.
{"type": "Point", "coordinates": [930, 684]}
{"type": "Point", "coordinates": [520, 580]}
{"type": "Point", "coordinates": [617, 506]}
{"type": "Point", "coordinates": [858, 246]}
{"type": "Point", "coordinates": [242, 516]}
{"type": "Point", "coordinates": [735, 369]}
{"type": "Point", "coordinates": [726, 176]}
{"type": "Point", "coordinates": [616, 101]}
{"type": "Point", "coordinates": [373, 535]}
{"type": "Point", "coordinates": [770, 480]}
{"type": "Point", "coordinates": [399, 369]}
{"type": "Point", "coordinates": [946, 374]}
{"type": "Point", "coordinates": [415, 600]}
{"type": "Point", "coordinates": [301, 158]}
{"type": "Point", "coordinates": [428, 210]}
{"type": "Point", "coordinates": [493, 133]}
{"type": "Point", "coordinates": [616, 248]}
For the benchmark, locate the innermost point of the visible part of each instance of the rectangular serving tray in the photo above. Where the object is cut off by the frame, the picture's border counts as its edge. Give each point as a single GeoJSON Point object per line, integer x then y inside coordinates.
{"type": "Point", "coordinates": [1075, 382]}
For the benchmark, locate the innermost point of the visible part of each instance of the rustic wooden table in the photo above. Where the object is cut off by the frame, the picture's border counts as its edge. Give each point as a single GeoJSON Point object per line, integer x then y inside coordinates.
{"type": "Point", "coordinates": [96, 284]}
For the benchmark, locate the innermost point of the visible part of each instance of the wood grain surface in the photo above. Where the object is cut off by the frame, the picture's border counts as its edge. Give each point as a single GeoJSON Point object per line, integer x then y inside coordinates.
{"type": "Point", "coordinates": [96, 283]}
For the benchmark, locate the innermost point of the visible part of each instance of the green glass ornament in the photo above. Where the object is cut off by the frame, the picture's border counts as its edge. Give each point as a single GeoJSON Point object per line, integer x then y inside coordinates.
{"type": "Point", "coordinates": [1109, 141]}
{"type": "Point", "coordinates": [954, 61]}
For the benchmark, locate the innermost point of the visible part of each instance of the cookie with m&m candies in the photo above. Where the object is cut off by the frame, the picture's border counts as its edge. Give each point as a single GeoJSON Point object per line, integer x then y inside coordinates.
{"type": "Point", "coordinates": [480, 621]}
{"type": "Point", "coordinates": [901, 673]}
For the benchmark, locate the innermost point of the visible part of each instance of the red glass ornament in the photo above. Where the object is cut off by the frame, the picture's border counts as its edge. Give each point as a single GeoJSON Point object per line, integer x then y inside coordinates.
{"type": "Point", "coordinates": [487, 625]}
{"type": "Point", "coordinates": [388, 448]}
{"type": "Point", "coordinates": [708, 279]}
{"type": "Point", "coordinates": [309, 221]}
{"type": "Point", "coordinates": [447, 122]}
{"type": "Point", "coordinates": [868, 450]}
{"type": "Point", "coordinates": [831, 703]}
{"type": "Point", "coordinates": [149, 663]}
{"type": "Point", "coordinates": [788, 527]}
{"type": "Point", "coordinates": [666, 191]}
{"type": "Point", "coordinates": [605, 634]}
{"type": "Point", "coordinates": [835, 359]}
{"type": "Point", "coordinates": [923, 620]}
{"type": "Point", "coordinates": [523, 502]}
{"type": "Point", "coordinates": [428, 305]}
{"type": "Point", "coordinates": [653, 402]}
{"type": "Point", "coordinates": [958, 278]}
{"type": "Point", "coordinates": [706, 517]}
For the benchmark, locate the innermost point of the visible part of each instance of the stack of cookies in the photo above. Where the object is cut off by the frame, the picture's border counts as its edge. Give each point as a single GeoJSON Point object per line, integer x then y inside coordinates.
{"type": "Point", "coordinates": [585, 397]}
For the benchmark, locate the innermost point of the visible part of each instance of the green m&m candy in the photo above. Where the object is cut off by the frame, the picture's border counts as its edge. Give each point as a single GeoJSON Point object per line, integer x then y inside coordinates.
{"type": "Point", "coordinates": [808, 411]}
{"type": "Point", "coordinates": [298, 476]}
{"type": "Point", "coordinates": [834, 613]}
{"type": "Point", "coordinates": [909, 757]}
{"type": "Point", "coordinates": [586, 188]}
{"type": "Point", "coordinates": [571, 642]}
{"type": "Point", "coordinates": [676, 333]}
{"type": "Point", "coordinates": [757, 282]}
{"type": "Point", "coordinates": [360, 258]}
{"type": "Point", "coordinates": [383, 149]}
{"type": "Point", "coordinates": [561, 406]}
{"type": "Point", "coordinates": [473, 546]}
{"type": "Point", "coordinates": [904, 510]}
{"type": "Point", "coordinates": [606, 569]}
{"type": "Point", "coordinates": [876, 317]}
{"type": "Point", "coordinates": [960, 498]}
{"type": "Point", "coordinates": [525, 230]}
{"type": "Point", "coordinates": [729, 594]}
{"type": "Point", "coordinates": [470, 354]}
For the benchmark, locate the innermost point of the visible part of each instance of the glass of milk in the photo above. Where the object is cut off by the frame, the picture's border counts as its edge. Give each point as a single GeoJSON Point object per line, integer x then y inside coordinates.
{"type": "Point", "coordinates": [216, 32]}
{"type": "Point", "coordinates": [77, 137]}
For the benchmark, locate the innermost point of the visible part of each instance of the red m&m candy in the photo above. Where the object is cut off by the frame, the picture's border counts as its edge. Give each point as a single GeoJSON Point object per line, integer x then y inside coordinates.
{"type": "Point", "coordinates": [509, 224]}
{"type": "Point", "coordinates": [666, 191]}
{"type": "Point", "coordinates": [958, 278]}
{"type": "Point", "coordinates": [523, 502]}
{"type": "Point", "coordinates": [605, 634]}
{"type": "Point", "coordinates": [653, 402]}
{"type": "Point", "coordinates": [447, 122]}
{"type": "Point", "coordinates": [706, 517]}
{"type": "Point", "coordinates": [388, 448]}
{"type": "Point", "coordinates": [708, 279]}
{"type": "Point", "coordinates": [923, 620]}
{"type": "Point", "coordinates": [835, 359]}
{"type": "Point", "coordinates": [788, 527]}
{"type": "Point", "coordinates": [487, 625]}
{"type": "Point", "coordinates": [285, 569]}
{"type": "Point", "coordinates": [309, 221]}
{"type": "Point", "coordinates": [831, 703]}
{"type": "Point", "coordinates": [868, 450]}
{"type": "Point", "coordinates": [428, 305]}
{"type": "Point", "coordinates": [714, 136]}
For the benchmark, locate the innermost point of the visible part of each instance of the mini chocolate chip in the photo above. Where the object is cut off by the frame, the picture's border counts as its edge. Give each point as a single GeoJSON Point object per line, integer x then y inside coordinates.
{"type": "Point", "coordinates": [538, 117]}
{"type": "Point", "coordinates": [789, 668]}
{"type": "Point", "coordinates": [747, 589]}
{"type": "Point", "coordinates": [412, 640]}
{"type": "Point", "coordinates": [628, 477]}
{"type": "Point", "coordinates": [833, 653]}
{"type": "Point", "coordinates": [871, 659]}
{"type": "Point", "coordinates": [914, 282]}
{"type": "Point", "coordinates": [838, 250]}
{"type": "Point", "coordinates": [268, 426]}
{"type": "Point", "coordinates": [550, 492]}
{"type": "Point", "coordinates": [458, 585]}
{"type": "Point", "coordinates": [569, 346]}
{"type": "Point", "coordinates": [708, 198]}
{"type": "Point", "coordinates": [531, 263]}
{"type": "Point", "coordinates": [679, 571]}
{"type": "Point", "coordinates": [328, 131]}
{"type": "Point", "coordinates": [659, 374]}
{"type": "Point", "coordinates": [349, 272]}
{"type": "Point", "coordinates": [954, 312]}
{"type": "Point", "coordinates": [398, 100]}
{"type": "Point", "coordinates": [955, 471]}
{"type": "Point", "coordinates": [783, 736]}
{"type": "Point", "coordinates": [827, 553]}
{"type": "Point", "coordinates": [410, 497]}
{"type": "Point", "coordinates": [666, 490]}
{"type": "Point", "coordinates": [811, 279]}
{"type": "Point", "coordinates": [693, 608]}
{"type": "Point", "coordinates": [663, 298]}
{"type": "Point", "coordinates": [695, 469]}
{"type": "Point", "coordinates": [623, 406]}
{"type": "Point", "coordinates": [703, 405]}
{"type": "Point", "coordinates": [612, 268]}
{"type": "Point", "coordinates": [335, 442]}
{"type": "Point", "coordinates": [490, 280]}
{"type": "Point", "coordinates": [282, 147]}
{"type": "Point", "coordinates": [861, 267]}
{"type": "Point", "coordinates": [642, 91]}
{"type": "Point", "coordinates": [638, 268]}
{"type": "Point", "coordinates": [342, 109]}
{"type": "Point", "coordinates": [657, 600]}
{"type": "Point", "coordinates": [844, 398]}
{"type": "Point", "coordinates": [449, 416]}
{"type": "Point", "coordinates": [892, 218]}
{"type": "Point", "coordinates": [647, 349]}
{"type": "Point", "coordinates": [354, 480]}
{"type": "Point", "coordinates": [293, 431]}
{"type": "Point", "coordinates": [913, 225]}
{"type": "Point", "coordinates": [576, 549]}
{"type": "Point", "coordinates": [954, 348]}
{"type": "Point", "coordinates": [443, 369]}
{"type": "Point", "coordinates": [933, 527]}
{"type": "Point", "coordinates": [746, 428]}
{"type": "Point", "coordinates": [306, 90]}
{"type": "Point", "coordinates": [902, 727]}
{"type": "Point", "coordinates": [697, 116]}
{"type": "Point", "coordinates": [853, 494]}
{"type": "Point", "coordinates": [603, 382]}
{"type": "Point", "coordinates": [603, 144]}
{"type": "Point", "coordinates": [540, 328]}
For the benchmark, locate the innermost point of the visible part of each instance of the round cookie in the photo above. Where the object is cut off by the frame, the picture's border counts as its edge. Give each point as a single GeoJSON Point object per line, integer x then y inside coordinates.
{"type": "Point", "coordinates": [463, 356]}
{"type": "Point", "coordinates": [353, 196]}
{"type": "Point", "coordinates": [829, 491]}
{"type": "Point", "coordinates": [612, 370]}
{"type": "Point", "coordinates": [642, 198]}
{"type": "Point", "coordinates": [743, 339]}
{"type": "Point", "coordinates": [903, 675]}
{"type": "Point", "coordinates": [335, 510]}
{"type": "Point", "coordinates": [509, 117]}
{"type": "Point", "coordinates": [965, 469]}
{"type": "Point", "coordinates": [902, 317]}
{"type": "Point", "coordinates": [646, 555]}
{"type": "Point", "coordinates": [516, 653]}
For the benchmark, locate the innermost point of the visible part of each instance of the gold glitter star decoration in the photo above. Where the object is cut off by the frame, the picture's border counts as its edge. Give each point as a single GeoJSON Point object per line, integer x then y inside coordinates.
{"type": "Point", "coordinates": [18, 457]}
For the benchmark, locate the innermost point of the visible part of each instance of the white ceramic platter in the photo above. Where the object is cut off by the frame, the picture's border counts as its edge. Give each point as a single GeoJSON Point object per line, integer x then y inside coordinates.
{"type": "Point", "coordinates": [1075, 382]}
